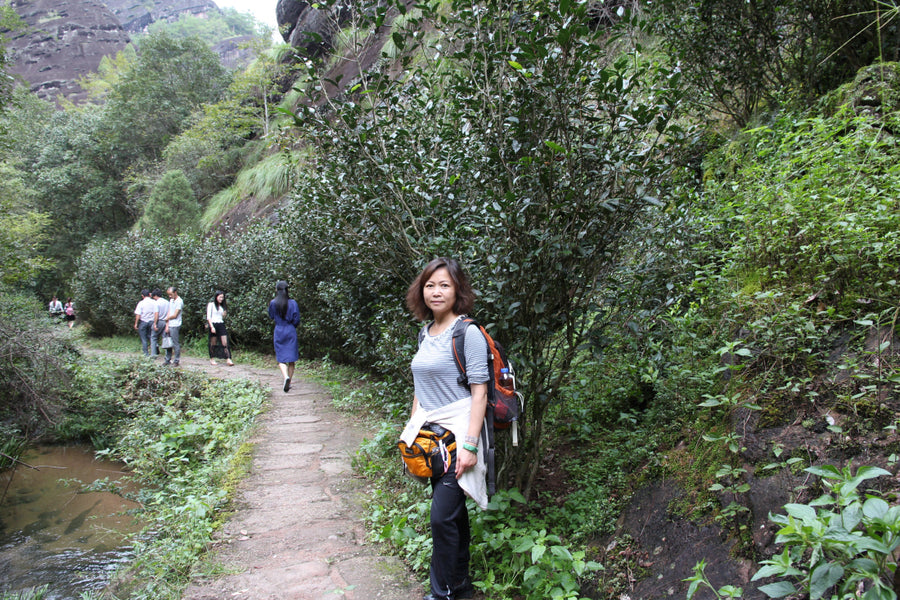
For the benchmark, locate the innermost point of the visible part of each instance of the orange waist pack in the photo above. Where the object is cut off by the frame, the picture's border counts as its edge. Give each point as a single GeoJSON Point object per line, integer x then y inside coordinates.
{"type": "Point", "coordinates": [430, 454]}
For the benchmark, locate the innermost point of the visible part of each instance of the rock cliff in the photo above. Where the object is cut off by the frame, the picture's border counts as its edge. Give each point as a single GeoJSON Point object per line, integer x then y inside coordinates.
{"type": "Point", "coordinates": [66, 39]}
{"type": "Point", "coordinates": [135, 16]}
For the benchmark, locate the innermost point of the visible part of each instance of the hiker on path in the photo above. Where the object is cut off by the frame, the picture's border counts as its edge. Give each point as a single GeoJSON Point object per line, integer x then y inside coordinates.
{"type": "Point", "coordinates": [69, 310]}
{"type": "Point", "coordinates": [216, 311]}
{"type": "Point", "coordinates": [159, 322]}
{"type": "Point", "coordinates": [443, 294]}
{"type": "Point", "coordinates": [144, 314]}
{"type": "Point", "coordinates": [55, 308]}
{"type": "Point", "coordinates": [172, 327]}
{"type": "Point", "coordinates": [286, 314]}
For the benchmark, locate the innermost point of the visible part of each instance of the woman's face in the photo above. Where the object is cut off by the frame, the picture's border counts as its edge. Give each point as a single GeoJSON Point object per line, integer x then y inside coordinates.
{"type": "Point", "coordinates": [439, 293]}
{"type": "Point", "coordinates": [220, 298]}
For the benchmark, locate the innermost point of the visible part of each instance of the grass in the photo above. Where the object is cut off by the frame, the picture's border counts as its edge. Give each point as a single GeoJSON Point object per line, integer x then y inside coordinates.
{"type": "Point", "coordinates": [193, 348]}
{"type": "Point", "coordinates": [267, 180]}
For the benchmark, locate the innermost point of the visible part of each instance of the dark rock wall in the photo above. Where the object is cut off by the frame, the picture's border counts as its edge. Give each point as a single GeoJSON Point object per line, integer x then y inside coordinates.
{"type": "Point", "coordinates": [310, 29]}
{"type": "Point", "coordinates": [135, 16]}
{"type": "Point", "coordinates": [64, 40]}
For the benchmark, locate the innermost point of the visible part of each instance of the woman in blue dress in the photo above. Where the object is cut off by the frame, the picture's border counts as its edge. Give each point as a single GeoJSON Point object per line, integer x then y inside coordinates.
{"type": "Point", "coordinates": [286, 314]}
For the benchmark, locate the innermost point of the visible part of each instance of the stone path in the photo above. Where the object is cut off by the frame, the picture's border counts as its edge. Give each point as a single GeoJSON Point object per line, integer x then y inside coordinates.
{"type": "Point", "coordinates": [297, 532]}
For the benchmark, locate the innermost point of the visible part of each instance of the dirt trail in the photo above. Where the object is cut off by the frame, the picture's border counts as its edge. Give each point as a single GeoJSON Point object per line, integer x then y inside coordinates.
{"type": "Point", "coordinates": [297, 532]}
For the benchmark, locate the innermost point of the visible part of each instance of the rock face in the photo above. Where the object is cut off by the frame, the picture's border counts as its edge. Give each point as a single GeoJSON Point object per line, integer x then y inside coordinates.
{"type": "Point", "coordinates": [64, 40]}
{"type": "Point", "coordinates": [309, 29]}
{"type": "Point", "coordinates": [135, 15]}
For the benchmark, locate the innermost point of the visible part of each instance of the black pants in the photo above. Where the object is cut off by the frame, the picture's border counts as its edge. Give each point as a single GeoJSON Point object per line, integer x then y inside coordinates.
{"type": "Point", "coordinates": [450, 535]}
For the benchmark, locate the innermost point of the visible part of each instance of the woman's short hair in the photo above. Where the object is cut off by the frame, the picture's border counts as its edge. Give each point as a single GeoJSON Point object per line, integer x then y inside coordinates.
{"type": "Point", "coordinates": [465, 296]}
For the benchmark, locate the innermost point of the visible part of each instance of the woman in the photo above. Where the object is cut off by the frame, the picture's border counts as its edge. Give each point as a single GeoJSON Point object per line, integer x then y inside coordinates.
{"type": "Point", "coordinates": [69, 309]}
{"type": "Point", "coordinates": [442, 293]}
{"type": "Point", "coordinates": [286, 314]}
{"type": "Point", "coordinates": [218, 335]}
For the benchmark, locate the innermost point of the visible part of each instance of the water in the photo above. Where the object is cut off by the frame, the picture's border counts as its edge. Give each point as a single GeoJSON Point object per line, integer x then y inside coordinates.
{"type": "Point", "coordinates": [54, 534]}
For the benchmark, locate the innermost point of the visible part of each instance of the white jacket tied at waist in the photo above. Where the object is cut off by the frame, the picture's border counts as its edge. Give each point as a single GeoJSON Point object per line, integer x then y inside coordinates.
{"type": "Point", "coordinates": [454, 417]}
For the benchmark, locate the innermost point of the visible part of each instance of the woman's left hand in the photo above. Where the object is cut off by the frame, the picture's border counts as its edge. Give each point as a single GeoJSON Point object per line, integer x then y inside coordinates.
{"type": "Point", "coordinates": [464, 460]}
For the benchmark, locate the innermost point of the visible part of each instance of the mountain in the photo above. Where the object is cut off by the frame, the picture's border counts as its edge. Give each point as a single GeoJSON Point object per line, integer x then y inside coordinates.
{"type": "Point", "coordinates": [66, 39]}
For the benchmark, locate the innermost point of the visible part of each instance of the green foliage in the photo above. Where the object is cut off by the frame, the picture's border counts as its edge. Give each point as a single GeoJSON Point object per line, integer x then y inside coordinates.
{"type": "Point", "coordinates": [212, 28]}
{"type": "Point", "coordinates": [109, 73]}
{"type": "Point", "coordinates": [154, 100]}
{"type": "Point", "coordinates": [34, 359]}
{"type": "Point", "coordinates": [437, 162]}
{"type": "Point", "coordinates": [509, 557]}
{"type": "Point", "coordinates": [699, 578]}
{"type": "Point", "coordinates": [33, 594]}
{"type": "Point", "coordinates": [182, 434]}
{"type": "Point", "coordinates": [245, 267]}
{"type": "Point", "coordinates": [264, 182]}
{"type": "Point", "coordinates": [9, 23]}
{"type": "Point", "coordinates": [837, 544]}
{"type": "Point", "coordinates": [23, 231]}
{"type": "Point", "coordinates": [172, 207]}
{"type": "Point", "coordinates": [68, 169]}
{"type": "Point", "coordinates": [746, 56]}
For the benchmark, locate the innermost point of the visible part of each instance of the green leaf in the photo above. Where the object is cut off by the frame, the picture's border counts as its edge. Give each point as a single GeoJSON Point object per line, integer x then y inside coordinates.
{"type": "Point", "coordinates": [555, 147]}
{"type": "Point", "coordinates": [804, 512]}
{"type": "Point", "coordinates": [826, 471]}
{"type": "Point", "coordinates": [779, 589]}
{"type": "Point", "coordinates": [515, 65]}
{"type": "Point", "coordinates": [822, 578]}
{"type": "Point", "coordinates": [875, 508]}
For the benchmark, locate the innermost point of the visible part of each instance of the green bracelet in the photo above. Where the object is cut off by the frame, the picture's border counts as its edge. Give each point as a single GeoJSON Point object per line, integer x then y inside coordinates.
{"type": "Point", "coordinates": [471, 448]}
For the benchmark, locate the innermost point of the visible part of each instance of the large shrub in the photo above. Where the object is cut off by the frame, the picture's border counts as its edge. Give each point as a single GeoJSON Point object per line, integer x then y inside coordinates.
{"type": "Point", "coordinates": [111, 274]}
{"type": "Point", "coordinates": [516, 143]}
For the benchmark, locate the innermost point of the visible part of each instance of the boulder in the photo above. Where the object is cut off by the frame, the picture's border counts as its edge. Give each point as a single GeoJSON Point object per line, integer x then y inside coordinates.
{"type": "Point", "coordinates": [310, 29]}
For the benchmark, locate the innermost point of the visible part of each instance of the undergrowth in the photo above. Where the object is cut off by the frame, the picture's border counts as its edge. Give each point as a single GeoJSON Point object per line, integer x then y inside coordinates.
{"type": "Point", "coordinates": [183, 436]}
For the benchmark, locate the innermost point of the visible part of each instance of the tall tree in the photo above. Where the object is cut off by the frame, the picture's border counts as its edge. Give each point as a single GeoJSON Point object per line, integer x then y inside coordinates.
{"type": "Point", "coordinates": [9, 21]}
{"type": "Point", "coordinates": [154, 100]}
{"type": "Point", "coordinates": [23, 230]}
{"type": "Point", "coordinates": [172, 207]}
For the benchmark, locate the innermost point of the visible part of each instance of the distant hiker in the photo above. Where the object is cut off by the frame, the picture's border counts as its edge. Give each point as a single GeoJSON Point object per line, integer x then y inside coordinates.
{"type": "Point", "coordinates": [172, 327]}
{"type": "Point", "coordinates": [159, 320]}
{"type": "Point", "coordinates": [442, 293]}
{"type": "Point", "coordinates": [144, 314]}
{"type": "Point", "coordinates": [286, 315]}
{"type": "Point", "coordinates": [69, 310]}
{"type": "Point", "coordinates": [216, 311]}
{"type": "Point", "coordinates": [55, 308]}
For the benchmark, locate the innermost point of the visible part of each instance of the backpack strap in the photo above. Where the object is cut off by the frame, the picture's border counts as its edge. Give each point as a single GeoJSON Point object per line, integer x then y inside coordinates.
{"type": "Point", "coordinates": [459, 348]}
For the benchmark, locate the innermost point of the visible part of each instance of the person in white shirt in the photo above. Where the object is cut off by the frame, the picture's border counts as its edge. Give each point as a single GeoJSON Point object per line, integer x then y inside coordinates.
{"type": "Point", "coordinates": [218, 335]}
{"type": "Point", "coordinates": [173, 326]}
{"type": "Point", "coordinates": [159, 323]}
{"type": "Point", "coordinates": [144, 314]}
{"type": "Point", "coordinates": [55, 308]}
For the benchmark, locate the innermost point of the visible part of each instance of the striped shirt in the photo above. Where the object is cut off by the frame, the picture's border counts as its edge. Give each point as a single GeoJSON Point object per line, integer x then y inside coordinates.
{"type": "Point", "coordinates": [435, 372]}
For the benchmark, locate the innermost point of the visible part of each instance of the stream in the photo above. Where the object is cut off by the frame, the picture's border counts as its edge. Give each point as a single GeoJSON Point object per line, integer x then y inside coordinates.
{"type": "Point", "coordinates": [55, 534]}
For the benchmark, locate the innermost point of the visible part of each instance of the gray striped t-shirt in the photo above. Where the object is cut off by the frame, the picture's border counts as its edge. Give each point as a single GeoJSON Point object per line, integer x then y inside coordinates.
{"type": "Point", "coordinates": [435, 372]}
